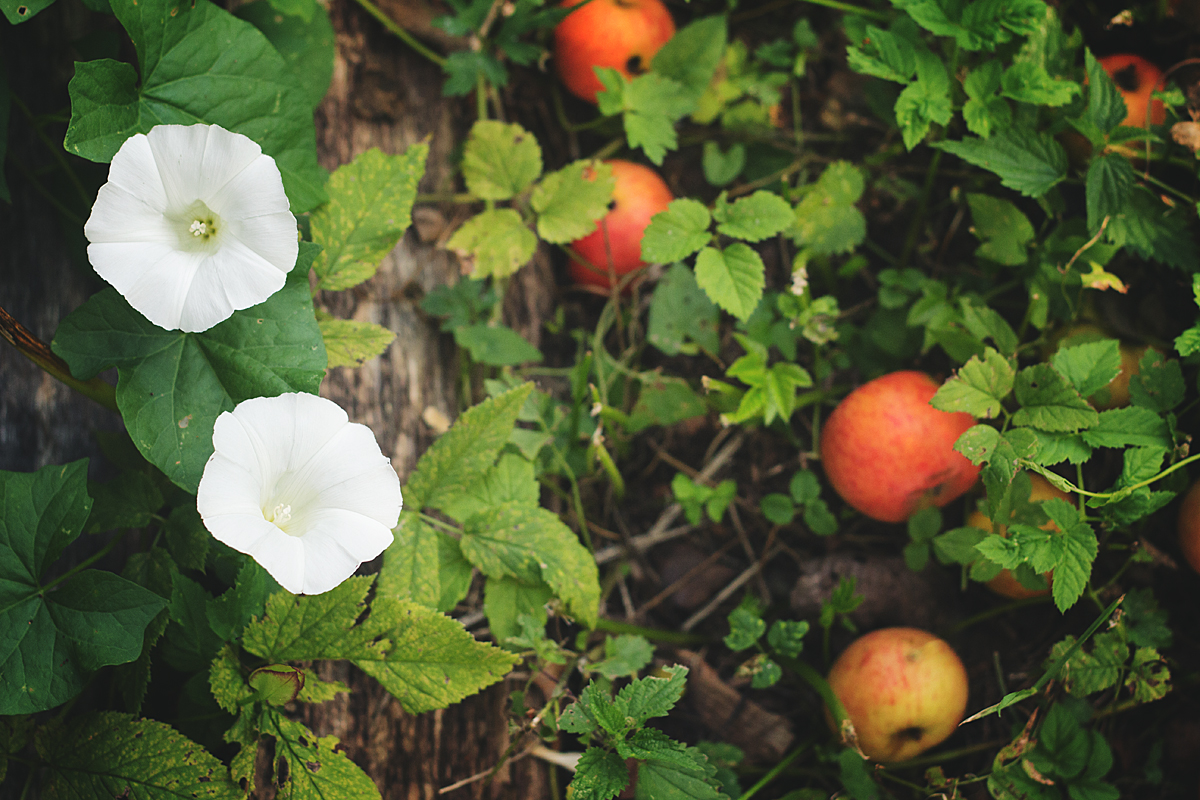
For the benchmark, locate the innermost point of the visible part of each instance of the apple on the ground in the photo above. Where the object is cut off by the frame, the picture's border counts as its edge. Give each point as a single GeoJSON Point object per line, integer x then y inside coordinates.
{"type": "Point", "coordinates": [621, 34]}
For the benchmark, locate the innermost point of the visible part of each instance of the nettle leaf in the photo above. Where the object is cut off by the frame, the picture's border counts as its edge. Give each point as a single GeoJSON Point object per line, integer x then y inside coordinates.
{"type": "Point", "coordinates": [532, 544]}
{"type": "Point", "coordinates": [688, 775]}
{"type": "Point", "coordinates": [1158, 384]}
{"type": "Point", "coordinates": [677, 232]}
{"type": "Point", "coordinates": [51, 641]}
{"type": "Point", "coordinates": [500, 161]}
{"type": "Point", "coordinates": [1090, 366]}
{"type": "Point", "coordinates": [351, 343]}
{"type": "Point", "coordinates": [107, 754]}
{"type": "Point", "coordinates": [464, 68]}
{"type": "Point", "coordinates": [827, 222]}
{"type": "Point", "coordinates": [315, 770]}
{"type": "Point", "coordinates": [924, 101]}
{"type": "Point", "coordinates": [1105, 107]}
{"type": "Point", "coordinates": [496, 242]}
{"type": "Point", "coordinates": [732, 278]}
{"type": "Point", "coordinates": [1087, 672]}
{"type": "Point", "coordinates": [570, 201]}
{"type": "Point", "coordinates": [458, 460]}
{"type": "Point", "coordinates": [1004, 231]}
{"type": "Point", "coordinates": [1029, 82]}
{"type": "Point", "coordinates": [200, 64]}
{"type": "Point", "coordinates": [1110, 179]}
{"type": "Point", "coordinates": [428, 660]}
{"type": "Point", "coordinates": [645, 698]}
{"type": "Point", "coordinates": [692, 55]}
{"type": "Point", "coordinates": [599, 775]}
{"type": "Point", "coordinates": [369, 209]}
{"type": "Point", "coordinates": [1151, 229]}
{"type": "Point", "coordinates": [890, 55]}
{"type": "Point", "coordinates": [172, 385]}
{"type": "Point", "coordinates": [1028, 162]}
{"type": "Point", "coordinates": [1049, 402]}
{"type": "Point", "coordinates": [979, 386]}
{"type": "Point", "coordinates": [754, 218]}
{"type": "Point", "coordinates": [984, 112]}
{"type": "Point", "coordinates": [1128, 427]}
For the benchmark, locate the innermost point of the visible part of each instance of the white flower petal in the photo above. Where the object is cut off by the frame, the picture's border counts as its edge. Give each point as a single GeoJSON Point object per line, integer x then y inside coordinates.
{"type": "Point", "coordinates": [295, 467]}
{"type": "Point", "coordinates": [215, 200]}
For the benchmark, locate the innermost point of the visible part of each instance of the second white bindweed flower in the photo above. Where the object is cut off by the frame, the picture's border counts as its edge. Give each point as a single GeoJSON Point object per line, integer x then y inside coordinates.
{"type": "Point", "coordinates": [301, 489]}
{"type": "Point", "coordinates": [192, 225]}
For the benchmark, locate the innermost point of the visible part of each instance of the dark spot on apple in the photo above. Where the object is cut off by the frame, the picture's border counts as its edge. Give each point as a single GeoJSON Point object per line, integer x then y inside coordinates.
{"type": "Point", "coordinates": [611, 205]}
{"type": "Point", "coordinates": [1126, 78]}
{"type": "Point", "coordinates": [634, 65]}
{"type": "Point", "coordinates": [912, 733]}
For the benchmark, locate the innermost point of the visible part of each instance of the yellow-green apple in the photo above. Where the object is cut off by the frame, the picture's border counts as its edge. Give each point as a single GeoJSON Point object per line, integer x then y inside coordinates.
{"type": "Point", "coordinates": [1136, 78]}
{"type": "Point", "coordinates": [904, 689]}
{"type": "Point", "coordinates": [889, 453]}
{"type": "Point", "coordinates": [621, 34]}
{"type": "Point", "coordinates": [1189, 526]}
{"type": "Point", "coordinates": [1006, 583]}
{"type": "Point", "coordinates": [638, 194]}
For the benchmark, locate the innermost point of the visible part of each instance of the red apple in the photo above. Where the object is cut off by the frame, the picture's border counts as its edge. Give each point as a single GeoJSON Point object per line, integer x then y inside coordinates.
{"type": "Point", "coordinates": [1006, 583]}
{"type": "Point", "coordinates": [622, 34]}
{"type": "Point", "coordinates": [889, 453]}
{"type": "Point", "coordinates": [1136, 78]}
{"type": "Point", "coordinates": [1189, 526]}
{"type": "Point", "coordinates": [904, 689]}
{"type": "Point", "coordinates": [638, 194]}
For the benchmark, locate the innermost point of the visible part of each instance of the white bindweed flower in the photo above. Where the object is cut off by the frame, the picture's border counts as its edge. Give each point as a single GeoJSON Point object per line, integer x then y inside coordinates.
{"type": "Point", "coordinates": [301, 489]}
{"type": "Point", "coordinates": [192, 225]}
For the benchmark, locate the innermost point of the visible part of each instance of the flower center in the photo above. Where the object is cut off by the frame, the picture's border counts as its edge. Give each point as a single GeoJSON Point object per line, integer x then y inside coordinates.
{"type": "Point", "coordinates": [281, 516]}
{"type": "Point", "coordinates": [198, 227]}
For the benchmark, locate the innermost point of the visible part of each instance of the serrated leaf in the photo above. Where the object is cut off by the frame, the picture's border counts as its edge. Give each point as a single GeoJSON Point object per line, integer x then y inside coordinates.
{"type": "Point", "coordinates": [51, 641]}
{"type": "Point", "coordinates": [1149, 677]}
{"type": "Point", "coordinates": [681, 315]}
{"type": "Point", "coordinates": [978, 387]}
{"type": "Point", "coordinates": [1085, 672]}
{"type": "Point", "coordinates": [1028, 82]}
{"type": "Point", "coordinates": [459, 459]}
{"type": "Point", "coordinates": [827, 222]}
{"type": "Point", "coordinates": [570, 201]}
{"type": "Point", "coordinates": [1054, 448]}
{"type": "Point", "coordinates": [500, 160]}
{"type": "Point", "coordinates": [977, 443]}
{"type": "Point", "coordinates": [1153, 230]}
{"type": "Point", "coordinates": [496, 345]}
{"type": "Point", "coordinates": [315, 770]}
{"type": "Point", "coordinates": [1110, 179]}
{"type": "Point", "coordinates": [410, 563]}
{"type": "Point", "coordinates": [889, 55]}
{"type": "Point", "coordinates": [369, 209]}
{"type": "Point", "coordinates": [533, 544]}
{"type": "Point", "coordinates": [1028, 162]}
{"type": "Point", "coordinates": [172, 386]}
{"type": "Point", "coordinates": [1004, 231]}
{"type": "Point", "coordinates": [199, 64]}
{"type": "Point", "coordinates": [1105, 105]}
{"type": "Point", "coordinates": [650, 105]}
{"type": "Point", "coordinates": [756, 217]}
{"type": "Point", "coordinates": [646, 698]}
{"type": "Point", "coordinates": [310, 627]}
{"type": "Point", "coordinates": [745, 629]}
{"type": "Point", "coordinates": [624, 655]}
{"type": "Point", "coordinates": [692, 55]}
{"type": "Point", "coordinates": [495, 242]}
{"type": "Point", "coordinates": [351, 343]}
{"type": "Point", "coordinates": [1090, 366]}
{"type": "Point", "coordinates": [662, 778]}
{"type": "Point", "coordinates": [1049, 402]}
{"type": "Point", "coordinates": [1158, 384]}
{"type": "Point", "coordinates": [677, 232]}
{"type": "Point", "coordinates": [732, 278]}
{"type": "Point", "coordinates": [107, 754]}
{"type": "Point", "coordinates": [599, 775]}
{"type": "Point", "coordinates": [1131, 426]}
{"type": "Point", "coordinates": [506, 601]}
{"type": "Point", "coordinates": [925, 101]}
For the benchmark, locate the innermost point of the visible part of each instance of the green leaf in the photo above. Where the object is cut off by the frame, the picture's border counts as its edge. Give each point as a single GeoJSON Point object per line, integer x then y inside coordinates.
{"type": "Point", "coordinates": [777, 508]}
{"type": "Point", "coordinates": [599, 775]}
{"type": "Point", "coordinates": [199, 64]}
{"type": "Point", "coordinates": [1105, 105]}
{"type": "Point", "coordinates": [172, 386]}
{"type": "Point", "coordinates": [1086, 673]}
{"type": "Point", "coordinates": [925, 101]}
{"type": "Point", "coordinates": [692, 55]}
{"type": "Point", "coordinates": [984, 112]}
{"type": "Point", "coordinates": [663, 778]}
{"type": "Point", "coordinates": [496, 345]}
{"type": "Point", "coordinates": [1158, 384]}
{"type": "Point", "coordinates": [682, 318]}
{"type": "Point", "coordinates": [532, 544]}
{"type": "Point", "coordinates": [315, 769]}
{"type": "Point", "coordinates": [310, 627]}
{"type": "Point", "coordinates": [303, 37]}
{"type": "Point", "coordinates": [890, 55]}
{"type": "Point", "coordinates": [754, 218]}
{"type": "Point", "coordinates": [1028, 82]}
{"type": "Point", "coordinates": [1027, 162]}
{"type": "Point", "coordinates": [500, 161]}
{"type": "Point", "coordinates": [645, 698]}
{"type": "Point", "coordinates": [1145, 621]}
{"type": "Point", "coordinates": [1074, 567]}
{"type": "Point", "coordinates": [624, 655]}
{"type": "Point", "coordinates": [429, 660]}
{"type": "Point", "coordinates": [1125, 427]}
{"type": "Point", "coordinates": [1053, 448]}
{"type": "Point", "coordinates": [410, 564]}
{"type": "Point", "coordinates": [106, 754]}
{"type": "Point", "coordinates": [495, 242]}
{"type": "Point", "coordinates": [458, 460]}
{"type": "Point", "coordinates": [1149, 228]}
{"type": "Point", "coordinates": [677, 232]}
{"type": "Point", "coordinates": [1090, 366]}
{"type": "Point", "coordinates": [233, 610]}
{"type": "Point", "coordinates": [276, 684]}
{"type": "Point", "coordinates": [665, 401]}
{"type": "Point", "coordinates": [18, 11]}
{"type": "Point", "coordinates": [127, 501]}
{"type": "Point", "coordinates": [732, 278]}
{"type": "Point", "coordinates": [351, 343]}
{"type": "Point", "coordinates": [369, 209]}
{"type": "Point", "coordinates": [507, 601]}
{"type": "Point", "coordinates": [570, 202]}
{"type": "Point", "coordinates": [52, 640]}
{"type": "Point", "coordinates": [650, 105]}
{"type": "Point", "coordinates": [720, 168]}
{"type": "Point", "coordinates": [1149, 678]}
{"type": "Point", "coordinates": [979, 386]}
{"type": "Point", "coordinates": [1004, 231]}
{"type": "Point", "coordinates": [1049, 402]}
{"type": "Point", "coordinates": [745, 629]}
{"type": "Point", "coordinates": [1110, 180]}
{"type": "Point", "coordinates": [977, 443]}
{"type": "Point", "coordinates": [827, 222]}
{"type": "Point", "coordinates": [464, 68]}
{"type": "Point", "coordinates": [786, 637]}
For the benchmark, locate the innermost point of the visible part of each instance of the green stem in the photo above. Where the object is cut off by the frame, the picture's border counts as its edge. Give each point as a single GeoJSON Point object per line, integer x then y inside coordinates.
{"type": "Point", "coordinates": [1128, 490]}
{"type": "Point", "coordinates": [672, 637]}
{"type": "Point", "coordinates": [773, 772]}
{"type": "Point", "coordinates": [918, 221]}
{"type": "Point", "coordinates": [40, 353]}
{"type": "Point", "coordinates": [821, 686]}
{"type": "Point", "coordinates": [400, 33]}
{"type": "Point", "coordinates": [576, 497]}
{"type": "Point", "coordinates": [437, 523]}
{"type": "Point", "coordinates": [852, 9]}
{"type": "Point", "coordinates": [1168, 188]}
